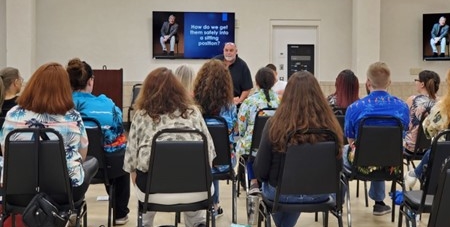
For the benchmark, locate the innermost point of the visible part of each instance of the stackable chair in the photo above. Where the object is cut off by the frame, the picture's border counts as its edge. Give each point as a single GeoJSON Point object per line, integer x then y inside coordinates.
{"type": "Point", "coordinates": [417, 202]}
{"type": "Point", "coordinates": [219, 134]}
{"type": "Point", "coordinates": [188, 172]}
{"type": "Point", "coordinates": [441, 204]}
{"type": "Point", "coordinates": [422, 145]}
{"type": "Point", "coordinates": [304, 169]}
{"type": "Point", "coordinates": [110, 166]}
{"type": "Point", "coordinates": [134, 93]}
{"type": "Point", "coordinates": [382, 146]}
{"type": "Point", "coordinates": [37, 163]}
{"type": "Point", "coordinates": [260, 121]}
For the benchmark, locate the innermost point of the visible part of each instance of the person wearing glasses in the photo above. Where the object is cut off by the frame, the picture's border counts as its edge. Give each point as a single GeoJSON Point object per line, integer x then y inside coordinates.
{"type": "Point", "coordinates": [439, 34]}
{"type": "Point", "coordinates": [240, 73]}
{"type": "Point", "coordinates": [11, 82]}
{"type": "Point", "coordinates": [109, 116]}
{"type": "Point", "coordinates": [419, 105]}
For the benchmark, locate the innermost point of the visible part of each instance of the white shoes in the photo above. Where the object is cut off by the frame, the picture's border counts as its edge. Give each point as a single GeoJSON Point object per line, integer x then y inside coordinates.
{"type": "Point", "coordinates": [410, 179]}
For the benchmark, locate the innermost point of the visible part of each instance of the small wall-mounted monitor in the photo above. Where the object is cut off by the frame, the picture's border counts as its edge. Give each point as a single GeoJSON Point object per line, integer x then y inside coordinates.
{"type": "Point", "coordinates": [436, 37]}
{"type": "Point", "coordinates": [191, 35]}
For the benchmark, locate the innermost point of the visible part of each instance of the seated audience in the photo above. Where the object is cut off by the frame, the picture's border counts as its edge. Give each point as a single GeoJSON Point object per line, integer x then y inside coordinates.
{"type": "Point", "coordinates": [347, 91]}
{"type": "Point", "coordinates": [378, 102]}
{"type": "Point", "coordinates": [436, 121]}
{"type": "Point", "coordinates": [54, 109]}
{"type": "Point", "coordinates": [213, 91]}
{"type": "Point", "coordinates": [279, 85]}
{"type": "Point", "coordinates": [264, 97]}
{"type": "Point", "coordinates": [163, 103]}
{"type": "Point", "coordinates": [109, 116]}
{"type": "Point", "coordinates": [420, 105]}
{"type": "Point", "coordinates": [291, 116]}
{"type": "Point", "coordinates": [12, 84]}
{"type": "Point", "coordinates": [186, 75]}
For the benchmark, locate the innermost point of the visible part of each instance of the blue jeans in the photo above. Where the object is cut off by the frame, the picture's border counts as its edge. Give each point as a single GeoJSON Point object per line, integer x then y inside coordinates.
{"type": "Point", "coordinates": [420, 168]}
{"type": "Point", "coordinates": [377, 188]}
{"type": "Point", "coordinates": [289, 219]}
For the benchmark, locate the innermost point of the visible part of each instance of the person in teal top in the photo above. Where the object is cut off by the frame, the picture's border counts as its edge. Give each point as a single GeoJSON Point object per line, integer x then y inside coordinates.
{"type": "Point", "coordinates": [109, 116]}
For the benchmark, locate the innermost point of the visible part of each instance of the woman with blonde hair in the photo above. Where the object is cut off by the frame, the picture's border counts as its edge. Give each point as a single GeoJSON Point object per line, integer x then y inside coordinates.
{"type": "Point", "coordinates": [293, 113]}
{"type": "Point", "coordinates": [186, 75]}
{"type": "Point", "coordinates": [163, 103]}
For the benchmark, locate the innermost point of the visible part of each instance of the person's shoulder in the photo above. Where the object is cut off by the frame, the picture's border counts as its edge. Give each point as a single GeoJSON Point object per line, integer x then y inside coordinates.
{"type": "Point", "coordinates": [219, 57]}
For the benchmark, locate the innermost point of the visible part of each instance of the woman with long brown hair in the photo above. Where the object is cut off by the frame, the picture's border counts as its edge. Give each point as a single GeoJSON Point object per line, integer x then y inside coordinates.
{"type": "Point", "coordinates": [163, 103]}
{"type": "Point", "coordinates": [303, 106]}
{"type": "Point", "coordinates": [213, 91]}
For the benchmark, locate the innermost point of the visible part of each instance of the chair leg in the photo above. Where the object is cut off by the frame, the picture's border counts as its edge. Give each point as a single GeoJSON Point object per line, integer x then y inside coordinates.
{"type": "Point", "coordinates": [366, 194]}
{"type": "Point", "coordinates": [349, 208]}
{"type": "Point", "coordinates": [213, 219]}
{"type": "Point", "coordinates": [316, 217]}
{"type": "Point", "coordinates": [393, 187]}
{"type": "Point", "coordinates": [357, 188]}
{"type": "Point", "coordinates": [111, 204]}
{"type": "Point", "coordinates": [234, 201]}
{"type": "Point", "coordinates": [325, 219]}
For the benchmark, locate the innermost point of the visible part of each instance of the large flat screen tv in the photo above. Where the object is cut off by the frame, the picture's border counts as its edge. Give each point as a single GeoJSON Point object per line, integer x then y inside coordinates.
{"type": "Point", "coordinates": [435, 26]}
{"type": "Point", "coordinates": [199, 35]}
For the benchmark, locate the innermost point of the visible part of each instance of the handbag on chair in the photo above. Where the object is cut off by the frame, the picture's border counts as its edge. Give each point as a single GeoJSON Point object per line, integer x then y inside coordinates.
{"type": "Point", "coordinates": [43, 212]}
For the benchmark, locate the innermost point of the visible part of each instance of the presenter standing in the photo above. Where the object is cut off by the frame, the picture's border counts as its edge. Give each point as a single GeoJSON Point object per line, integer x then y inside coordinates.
{"type": "Point", "coordinates": [240, 73]}
{"type": "Point", "coordinates": [168, 33]}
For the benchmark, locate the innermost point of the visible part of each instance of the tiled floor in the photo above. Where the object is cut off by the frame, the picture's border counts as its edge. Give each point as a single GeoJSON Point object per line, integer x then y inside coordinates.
{"type": "Point", "coordinates": [361, 215]}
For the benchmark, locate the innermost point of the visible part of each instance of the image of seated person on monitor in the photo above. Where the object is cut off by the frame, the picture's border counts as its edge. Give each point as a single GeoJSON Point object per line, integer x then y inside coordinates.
{"type": "Point", "coordinates": [168, 35]}
{"type": "Point", "coordinates": [439, 36]}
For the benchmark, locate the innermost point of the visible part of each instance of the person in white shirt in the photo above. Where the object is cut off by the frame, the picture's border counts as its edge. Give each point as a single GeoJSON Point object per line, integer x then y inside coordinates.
{"type": "Point", "coordinates": [279, 85]}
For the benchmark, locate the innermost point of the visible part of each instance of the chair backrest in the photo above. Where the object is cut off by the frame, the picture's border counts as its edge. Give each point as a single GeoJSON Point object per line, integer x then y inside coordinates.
{"type": "Point", "coordinates": [422, 142]}
{"type": "Point", "coordinates": [219, 133]}
{"type": "Point", "coordinates": [441, 203]}
{"type": "Point", "coordinates": [440, 151]}
{"type": "Point", "coordinates": [341, 120]}
{"type": "Point", "coordinates": [261, 119]}
{"type": "Point", "coordinates": [134, 93]}
{"type": "Point", "coordinates": [34, 165]}
{"type": "Point", "coordinates": [95, 147]}
{"type": "Point", "coordinates": [379, 145]}
{"type": "Point", "coordinates": [305, 167]}
{"type": "Point", "coordinates": [178, 166]}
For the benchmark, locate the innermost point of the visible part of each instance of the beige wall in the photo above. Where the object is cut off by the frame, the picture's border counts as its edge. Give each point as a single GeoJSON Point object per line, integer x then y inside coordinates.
{"type": "Point", "coordinates": [401, 36]}
{"type": "Point", "coordinates": [2, 33]}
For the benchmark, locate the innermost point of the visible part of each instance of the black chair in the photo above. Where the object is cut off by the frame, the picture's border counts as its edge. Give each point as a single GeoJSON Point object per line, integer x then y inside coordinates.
{"type": "Point", "coordinates": [134, 93]}
{"type": "Point", "coordinates": [219, 134]}
{"type": "Point", "coordinates": [177, 167]}
{"type": "Point", "coordinates": [380, 146]}
{"type": "Point", "coordinates": [110, 164]}
{"type": "Point", "coordinates": [33, 165]}
{"type": "Point", "coordinates": [417, 202]}
{"type": "Point", "coordinates": [440, 211]}
{"type": "Point", "coordinates": [422, 145]}
{"type": "Point", "coordinates": [296, 177]}
{"type": "Point", "coordinates": [260, 121]}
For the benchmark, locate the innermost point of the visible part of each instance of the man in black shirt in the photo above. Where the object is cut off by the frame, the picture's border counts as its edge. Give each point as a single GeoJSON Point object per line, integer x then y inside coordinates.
{"type": "Point", "coordinates": [240, 73]}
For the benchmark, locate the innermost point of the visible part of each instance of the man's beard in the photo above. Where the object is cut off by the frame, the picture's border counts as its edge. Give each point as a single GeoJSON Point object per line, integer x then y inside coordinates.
{"type": "Point", "coordinates": [229, 58]}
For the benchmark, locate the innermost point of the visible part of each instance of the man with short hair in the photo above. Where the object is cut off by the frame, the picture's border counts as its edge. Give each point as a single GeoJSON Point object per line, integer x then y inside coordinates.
{"type": "Point", "coordinates": [439, 35]}
{"type": "Point", "coordinates": [240, 73]}
{"type": "Point", "coordinates": [378, 102]}
{"type": "Point", "coordinates": [169, 32]}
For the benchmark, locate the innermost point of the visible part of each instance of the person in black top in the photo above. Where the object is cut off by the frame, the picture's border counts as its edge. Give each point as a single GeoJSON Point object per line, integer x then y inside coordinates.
{"type": "Point", "coordinates": [240, 73]}
{"type": "Point", "coordinates": [310, 111]}
{"type": "Point", "coordinates": [12, 84]}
